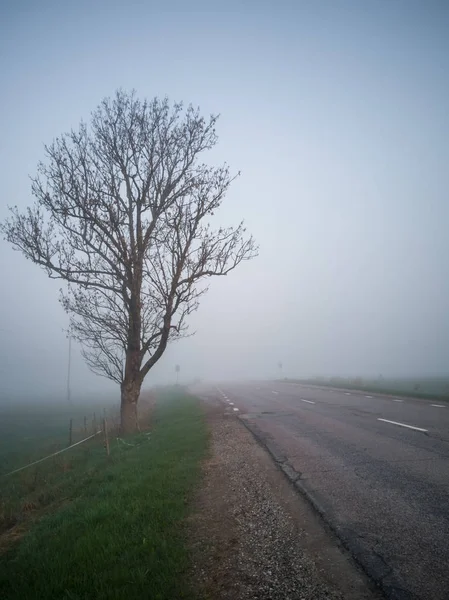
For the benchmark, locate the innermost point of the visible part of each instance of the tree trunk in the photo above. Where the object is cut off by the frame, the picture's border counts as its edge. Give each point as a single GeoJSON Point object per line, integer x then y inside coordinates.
{"type": "Point", "coordinates": [130, 392]}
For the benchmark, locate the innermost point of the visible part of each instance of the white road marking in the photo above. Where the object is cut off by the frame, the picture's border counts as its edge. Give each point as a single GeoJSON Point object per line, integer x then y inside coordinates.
{"type": "Point", "coordinates": [235, 409]}
{"type": "Point", "coordinates": [223, 397]}
{"type": "Point", "coordinates": [438, 405]}
{"type": "Point", "coordinates": [403, 425]}
{"type": "Point", "coordinates": [368, 396]}
{"type": "Point", "coordinates": [273, 392]}
{"type": "Point", "coordinates": [231, 403]}
{"type": "Point", "coordinates": [308, 401]}
{"type": "Point", "coordinates": [397, 400]}
{"type": "Point", "coordinates": [347, 394]}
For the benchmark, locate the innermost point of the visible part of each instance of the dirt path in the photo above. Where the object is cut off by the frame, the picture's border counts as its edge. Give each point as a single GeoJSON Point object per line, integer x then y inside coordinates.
{"type": "Point", "coordinates": [253, 536]}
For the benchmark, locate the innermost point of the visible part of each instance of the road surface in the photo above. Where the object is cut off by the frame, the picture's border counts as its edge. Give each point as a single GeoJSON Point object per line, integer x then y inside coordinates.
{"type": "Point", "coordinates": [378, 468]}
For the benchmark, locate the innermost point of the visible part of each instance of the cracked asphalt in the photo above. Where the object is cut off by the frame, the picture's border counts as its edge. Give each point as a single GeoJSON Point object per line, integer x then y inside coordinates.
{"type": "Point", "coordinates": [383, 487]}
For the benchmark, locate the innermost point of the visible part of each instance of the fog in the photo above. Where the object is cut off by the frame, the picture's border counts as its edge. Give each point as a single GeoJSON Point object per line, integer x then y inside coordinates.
{"type": "Point", "coordinates": [336, 114]}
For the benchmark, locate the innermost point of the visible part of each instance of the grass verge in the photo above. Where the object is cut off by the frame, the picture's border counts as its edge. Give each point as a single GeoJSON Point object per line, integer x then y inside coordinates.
{"type": "Point", "coordinates": [118, 533]}
{"type": "Point", "coordinates": [388, 390]}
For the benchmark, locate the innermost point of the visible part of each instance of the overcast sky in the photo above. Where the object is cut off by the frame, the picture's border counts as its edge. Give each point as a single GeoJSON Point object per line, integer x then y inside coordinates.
{"type": "Point", "coordinates": [336, 112]}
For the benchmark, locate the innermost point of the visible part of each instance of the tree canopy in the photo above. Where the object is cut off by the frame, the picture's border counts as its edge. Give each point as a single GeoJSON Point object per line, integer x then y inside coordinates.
{"type": "Point", "coordinates": [122, 213]}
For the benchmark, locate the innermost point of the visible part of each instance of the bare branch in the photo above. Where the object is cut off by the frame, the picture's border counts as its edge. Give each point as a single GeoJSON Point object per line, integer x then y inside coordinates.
{"type": "Point", "coordinates": [122, 214]}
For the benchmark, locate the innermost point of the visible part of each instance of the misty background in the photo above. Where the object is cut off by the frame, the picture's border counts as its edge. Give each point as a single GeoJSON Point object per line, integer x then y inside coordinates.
{"type": "Point", "coordinates": [336, 112]}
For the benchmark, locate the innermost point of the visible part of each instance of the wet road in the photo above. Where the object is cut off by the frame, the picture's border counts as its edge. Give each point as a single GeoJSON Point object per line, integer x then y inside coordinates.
{"type": "Point", "coordinates": [378, 468]}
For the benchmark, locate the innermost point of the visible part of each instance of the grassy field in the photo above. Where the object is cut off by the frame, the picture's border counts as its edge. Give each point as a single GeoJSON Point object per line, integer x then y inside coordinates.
{"type": "Point", "coordinates": [29, 431]}
{"type": "Point", "coordinates": [418, 387]}
{"type": "Point", "coordinates": [89, 526]}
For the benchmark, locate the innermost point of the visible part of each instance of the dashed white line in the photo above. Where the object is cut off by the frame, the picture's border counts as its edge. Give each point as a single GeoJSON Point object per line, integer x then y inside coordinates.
{"type": "Point", "coordinates": [397, 400]}
{"type": "Point", "coordinates": [368, 396]}
{"type": "Point", "coordinates": [273, 392]}
{"type": "Point", "coordinates": [347, 394]}
{"type": "Point", "coordinates": [403, 425]}
{"type": "Point", "coordinates": [438, 405]}
{"type": "Point", "coordinates": [308, 401]}
{"type": "Point", "coordinates": [231, 403]}
{"type": "Point", "coordinates": [235, 409]}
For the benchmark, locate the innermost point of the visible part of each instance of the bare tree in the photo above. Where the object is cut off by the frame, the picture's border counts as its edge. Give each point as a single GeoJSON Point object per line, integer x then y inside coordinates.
{"type": "Point", "coordinates": [122, 214]}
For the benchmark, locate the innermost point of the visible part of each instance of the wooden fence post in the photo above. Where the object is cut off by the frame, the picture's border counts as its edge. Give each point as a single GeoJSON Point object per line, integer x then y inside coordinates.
{"type": "Point", "coordinates": [106, 437]}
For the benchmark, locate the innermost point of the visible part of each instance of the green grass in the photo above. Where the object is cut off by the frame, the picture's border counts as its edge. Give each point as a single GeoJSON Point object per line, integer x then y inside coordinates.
{"type": "Point", "coordinates": [29, 431]}
{"type": "Point", "coordinates": [432, 388]}
{"type": "Point", "coordinates": [118, 529]}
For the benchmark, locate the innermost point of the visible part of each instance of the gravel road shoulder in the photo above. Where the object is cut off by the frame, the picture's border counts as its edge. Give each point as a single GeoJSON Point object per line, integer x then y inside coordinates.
{"type": "Point", "coordinates": [253, 536]}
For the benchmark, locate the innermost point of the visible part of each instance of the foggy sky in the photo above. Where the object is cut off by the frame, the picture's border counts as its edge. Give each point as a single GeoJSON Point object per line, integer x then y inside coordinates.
{"type": "Point", "coordinates": [336, 113]}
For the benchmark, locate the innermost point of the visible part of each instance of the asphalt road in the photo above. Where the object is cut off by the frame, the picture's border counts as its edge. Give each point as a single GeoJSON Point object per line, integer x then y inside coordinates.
{"type": "Point", "coordinates": [383, 487]}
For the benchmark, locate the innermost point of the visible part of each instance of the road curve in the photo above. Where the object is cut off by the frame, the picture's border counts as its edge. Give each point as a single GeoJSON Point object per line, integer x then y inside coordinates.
{"type": "Point", "coordinates": [378, 468]}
